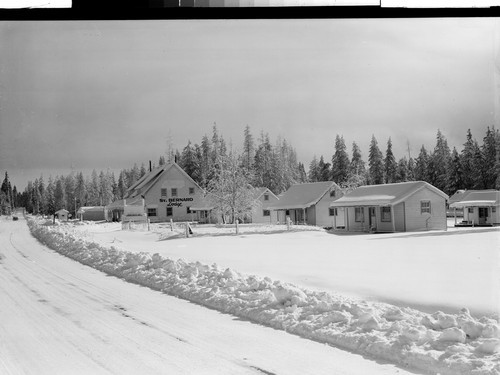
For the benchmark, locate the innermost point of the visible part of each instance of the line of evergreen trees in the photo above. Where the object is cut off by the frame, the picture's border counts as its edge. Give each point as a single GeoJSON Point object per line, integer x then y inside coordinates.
{"type": "Point", "coordinates": [474, 167]}
{"type": "Point", "coordinates": [275, 166]}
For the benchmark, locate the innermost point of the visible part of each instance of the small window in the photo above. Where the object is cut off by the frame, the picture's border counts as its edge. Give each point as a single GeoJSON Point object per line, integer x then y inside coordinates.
{"type": "Point", "coordinates": [385, 214]}
{"type": "Point", "coordinates": [163, 192]}
{"type": "Point", "coordinates": [332, 193]}
{"type": "Point", "coordinates": [266, 213]}
{"type": "Point", "coordinates": [188, 210]}
{"type": "Point", "coordinates": [333, 211]}
{"type": "Point", "coordinates": [169, 211]}
{"type": "Point", "coordinates": [358, 214]}
{"type": "Point", "coordinates": [287, 212]}
{"type": "Point", "coordinates": [425, 207]}
{"type": "Point", "coordinates": [191, 190]}
{"type": "Point", "coordinates": [493, 209]}
{"type": "Point", "coordinates": [471, 210]}
{"type": "Point", "coordinates": [266, 197]}
{"type": "Point", "coordinates": [151, 211]}
{"type": "Point", "coordinates": [174, 192]}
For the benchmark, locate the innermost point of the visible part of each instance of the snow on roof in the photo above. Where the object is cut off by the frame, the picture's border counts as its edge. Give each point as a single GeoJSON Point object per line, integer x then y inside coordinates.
{"type": "Point", "coordinates": [303, 195]}
{"type": "Point", "coordinates": [120, 203]}
{"type": "Point", "coordinates": [259, 191]}
{"type": "Point", "coordinates": [62, 210]}
{"type": "Point", "coordinates": [459, 194]}
{"type": "Point", "coordinates": [383, 195]}
{"type": "Point", "coordinates": [90, 208]}
{"type": "Point", "coordinates": [147, 181]}
{"type": "Point", "coordinates": [478, 198]}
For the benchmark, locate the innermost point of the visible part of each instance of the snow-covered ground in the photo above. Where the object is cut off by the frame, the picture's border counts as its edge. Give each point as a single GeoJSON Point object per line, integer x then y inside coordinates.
{"type": "Point", "coordinates": [442, 343]}
{"type": "Point", "coordinates": [60, 317]}
{"type": "Point", "coordinates": [429, 270]}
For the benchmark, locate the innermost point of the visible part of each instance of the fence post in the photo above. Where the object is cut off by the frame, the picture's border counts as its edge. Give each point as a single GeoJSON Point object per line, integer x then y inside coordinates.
{"type": "Point", "coordinates": [171, 225]}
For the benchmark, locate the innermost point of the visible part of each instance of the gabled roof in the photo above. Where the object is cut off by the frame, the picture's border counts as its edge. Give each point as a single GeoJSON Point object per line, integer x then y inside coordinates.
{"type": "Point", "coordinates": [259, 192]}
{"type": "Point", "coordinates": [303, 195]}
{"type": "Point", "coordinates": [459, 194]}
{"type": "Point", "coordinates": [62, 210]}
{"type": "Point", "coordinates": [478, 198]}
{"type": "Point", "coordinates": [383, 195]}
{"type": "Point", "coordinates": [146, 182]}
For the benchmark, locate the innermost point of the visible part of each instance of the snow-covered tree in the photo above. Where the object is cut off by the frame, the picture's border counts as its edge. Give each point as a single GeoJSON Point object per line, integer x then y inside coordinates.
{"type": "Point", "coordinates": [230, 191]}
{"type": "Point", "coordinates": [421, 165]}
{"type": "Point", "coordinates": [376, 163]}
{"type": "Point", "coordinates": [390, 166]}
{"type": "Point", "coordinates": [340, 162]}
{"type": "Point", "coordinates": [248, 156]}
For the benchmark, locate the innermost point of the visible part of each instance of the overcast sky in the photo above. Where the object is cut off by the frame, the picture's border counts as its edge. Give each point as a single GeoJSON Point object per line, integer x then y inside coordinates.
{"type": "Point", "coordinates": [106, 94]}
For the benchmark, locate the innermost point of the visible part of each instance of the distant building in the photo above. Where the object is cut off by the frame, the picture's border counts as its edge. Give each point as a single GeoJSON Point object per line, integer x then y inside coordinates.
{"type": "Point", "coordinates": [62, 214]}
{"type": "Point", "coordinates": [480, 207]}
{"type": "Point", "coordinates": [262, 213]}
{"type": "Point", "coordinates": [169, 193]}
{"type": "Point", "coordinates": [309, 204]}
{"type": "Point", "coordinates": [92, 213]}
{"type": "Point", "coordinates": [399, 207]}
{"type": "Point", "coordinates": [116, 209]}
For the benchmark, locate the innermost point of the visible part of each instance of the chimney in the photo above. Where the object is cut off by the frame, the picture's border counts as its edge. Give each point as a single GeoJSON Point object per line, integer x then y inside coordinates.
{"type": "Point", "coordinates": [150, 168]}
{"type": "Point", "coordinates": [175, 159]}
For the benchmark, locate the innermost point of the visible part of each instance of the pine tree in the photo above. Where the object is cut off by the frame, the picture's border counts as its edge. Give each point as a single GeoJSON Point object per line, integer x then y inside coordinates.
{"type": "Point", "coordinates": [324, 170]}
{"type": "Point", "coordinates": [142, 171]}
{"type": "Point", "coordinates": [478, 161]}
{"type": "Point", "coordinates": [489, 152]}
{"type": "Point", "coordinates": [80, 190]}
{"type": "Point", "coordinates": [302, 173]}
{"type": "Point", "coordinates": [376, 164]}
{"type": "Point", "coordinates": [206, 164]}
{"type": "Point", "coordinates": [59, 201]}
{"type": "Point", "coordinates": [440, 160]}
{"type": "Point", "coordinates": [467, 158]}
{"type": "Point", "coordinates": [390, 165]}
{"type": "Point", "coordinates": [357, 165]}
{"type": "Point", "coordinates": [402, 170]}
{"type": "Point", "coordinates": [248, 149]}
{"type": "Point", "coordinates": [188, 161]}
{"type": "Point", "coordinates": [162, 161]}
{"type": "Point", "coordinates": [340, 162]}
{"type": "Point", "coordinates": [50, 197]}
{"type": "Point", "coordinates": [122, 188]}
{"type": "Point", "coordinates": [455, 174]}
{"type": "Point", "coordinates": [411, 169]}
{"type": "Point", "coordinates": [421, 165]}
{"type": "Point", "coordinates": [69, 193]}
{"type": "Point", "coordinates": [314, 174]}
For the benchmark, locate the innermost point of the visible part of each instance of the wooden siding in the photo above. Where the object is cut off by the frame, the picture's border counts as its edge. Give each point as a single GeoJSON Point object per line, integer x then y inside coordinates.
{"type": "Point", "coordinates": [173, 178]}
{"type": "Point", "coordinates": [322, 210]}
{"type": "Point", "coordinates": [258, 214]}
{"type": "Point", "coordinates": [416, 221]}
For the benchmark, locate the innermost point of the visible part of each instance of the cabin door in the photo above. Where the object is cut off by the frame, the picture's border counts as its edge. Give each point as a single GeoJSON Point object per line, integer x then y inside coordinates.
{"type": "Point", "coordinates": [483, 215]}
{"type": "Point", "coordinates": [372, 217]}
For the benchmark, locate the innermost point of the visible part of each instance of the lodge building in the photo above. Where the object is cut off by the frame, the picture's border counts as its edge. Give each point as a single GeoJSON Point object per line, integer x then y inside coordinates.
{"type": "Point", "coordinates": [169, 193]}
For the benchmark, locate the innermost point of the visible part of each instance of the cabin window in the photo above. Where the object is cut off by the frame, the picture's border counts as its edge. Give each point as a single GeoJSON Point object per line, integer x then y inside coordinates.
{"type": "Point", "coordinates": [493, 209]}
{"type": "Point", "coordinates": [471, 210]}
{"type": "Point", "coordinates": [151, 211]}
{"type": "Point", "coordinates": [358, 214]}
{"type": "Point", "coordinates": [287, 212]}
{"type": "Point", "coordinates": [266, 213]}
{"type": "Point", "coordinates": [174, 192]}
{"type": "Point", "coordinates": [425, 207]}
{"type": "Point", "coordinates": [191, 190]}
{"type": "Point", "coordinates": [169, 211]}
{"type": "Point", "coordinates": [332, 193]}
{"type": "Point", "coordinates": [333, 211]}
{"type": "Point", "coordinates": [163, 192]}
{"type": "Point", "coordinates": [188, 210]}
{"type": "Point", "coordinates": [266, 197]}
{"type": "Point", "coordinates": [385, 214]}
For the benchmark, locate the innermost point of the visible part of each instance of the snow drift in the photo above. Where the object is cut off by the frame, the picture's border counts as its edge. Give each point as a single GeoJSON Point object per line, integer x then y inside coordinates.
{"type": "Point", "coordinates": [434, 343]}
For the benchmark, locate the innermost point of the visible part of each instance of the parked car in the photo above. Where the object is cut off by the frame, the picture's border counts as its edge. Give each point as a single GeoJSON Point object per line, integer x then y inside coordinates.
{"type": "Point", "coordinates": [14, 218]}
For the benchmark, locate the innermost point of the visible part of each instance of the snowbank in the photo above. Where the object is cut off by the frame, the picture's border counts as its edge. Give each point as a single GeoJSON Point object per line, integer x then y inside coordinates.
{"type": "Point", "coordinates": [435, 343]}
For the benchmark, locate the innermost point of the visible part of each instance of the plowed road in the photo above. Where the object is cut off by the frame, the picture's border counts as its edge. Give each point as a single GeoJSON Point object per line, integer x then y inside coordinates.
{"type": "Point", "coordinates": [60, 317]}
